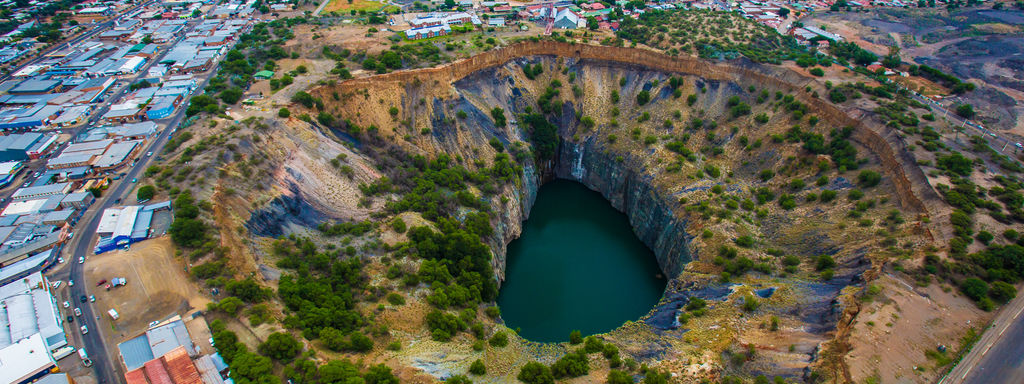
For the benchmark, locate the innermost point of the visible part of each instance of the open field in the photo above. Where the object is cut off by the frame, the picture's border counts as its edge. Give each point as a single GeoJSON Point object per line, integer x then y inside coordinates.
{"type": "Point", "coordinates": [353, 5]}
{"type": "Point", "coordinates": [157, 288]}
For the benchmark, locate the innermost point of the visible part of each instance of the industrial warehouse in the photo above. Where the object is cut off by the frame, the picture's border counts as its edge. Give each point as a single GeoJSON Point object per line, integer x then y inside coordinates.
{"type": "Point", "coordinates": [122, 226]}
{"type": "Point", "coordinates": [30, 328]}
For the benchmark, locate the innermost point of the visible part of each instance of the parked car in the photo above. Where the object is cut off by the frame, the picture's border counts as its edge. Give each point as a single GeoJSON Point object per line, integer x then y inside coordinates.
{"type": "Point", "coordinates": [67, 304]}
{"type": "Point", "coordinates": [56, 284]}
{"type": "Point", "coordinates": [78, 312]}
{"type": "Point", "coordinates": [27, 183]}
{"type": "Point", "coordinates": [154, 323]}
{"type": "Point", "coordinates": [71, 319]}
{"type": "Point", "coordinates": [101, 282]}
{"type": "Point", "coordinates": [84, 330]}
{"type": "Point", "coordinates": [71, 283]}
{"type": "Point", "coordinates": [92, 298]}
{"type": "Point", "coordinates": [148, 154]}
{"type": "Point", "coordinates": [83, 299]}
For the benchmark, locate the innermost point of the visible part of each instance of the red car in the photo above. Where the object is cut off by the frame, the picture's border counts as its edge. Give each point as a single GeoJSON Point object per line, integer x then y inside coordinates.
{"type": "Point", "coordinates": [101, 282]}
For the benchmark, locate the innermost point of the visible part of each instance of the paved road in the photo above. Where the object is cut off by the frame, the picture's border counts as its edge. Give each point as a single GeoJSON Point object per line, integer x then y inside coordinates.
{"type": "Point", "coordinates": [998, 357]}
{"type": "Point", "coordinates": [107, 367]}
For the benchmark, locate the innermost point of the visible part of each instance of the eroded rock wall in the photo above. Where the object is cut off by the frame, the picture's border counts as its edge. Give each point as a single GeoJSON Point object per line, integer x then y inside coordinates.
{"type": "Point", "coordinates": [909, 181]}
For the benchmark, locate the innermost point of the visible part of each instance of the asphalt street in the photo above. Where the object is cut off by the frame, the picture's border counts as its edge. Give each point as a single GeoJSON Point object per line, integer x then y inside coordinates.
{"type": "Point", "coordinates": [75, 40]}
{"type": "Point", "coordinates": [105, 363]}
{"type": "Point", "coordinates": [998, 356]}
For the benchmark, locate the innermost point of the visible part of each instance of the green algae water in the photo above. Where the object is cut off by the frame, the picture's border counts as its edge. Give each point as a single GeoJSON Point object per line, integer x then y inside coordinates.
{"type": "Point", "coordinates": [577, 265]}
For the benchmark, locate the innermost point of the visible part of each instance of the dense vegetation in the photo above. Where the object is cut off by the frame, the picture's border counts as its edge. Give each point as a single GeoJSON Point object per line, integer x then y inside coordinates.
{"type": "Point", "coordinates": [709, 34]}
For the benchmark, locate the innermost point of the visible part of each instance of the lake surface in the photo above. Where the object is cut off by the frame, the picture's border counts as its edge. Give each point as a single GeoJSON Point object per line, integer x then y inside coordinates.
{"type": "Point", "coordinates": [577, 265]}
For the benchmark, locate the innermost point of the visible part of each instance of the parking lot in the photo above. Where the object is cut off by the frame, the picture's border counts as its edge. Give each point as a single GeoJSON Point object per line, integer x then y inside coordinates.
{"type": "Point", "coordinates": [157, 287]}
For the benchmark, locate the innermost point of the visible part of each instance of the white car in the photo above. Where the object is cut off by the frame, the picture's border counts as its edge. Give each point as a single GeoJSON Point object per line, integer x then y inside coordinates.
{"type": "Point", "coordinates": [92, 298]}
{"type": "Point", "coordinates": [84, 330]}
{"type": "Point", "coordinates": [154, 323]}
{"type": "Point", "coordinates": [56, 284]}
{"type": "Point", "coordinates": [71, 283]}
{"type": "Point", "coordinates": [67, 304]}
{"type": "Point", "coordinates": [81, 259]}
{"type": "Point", "coordinates": [1019, 145]}
{"type": "Point", "coordinates": [60, 260]}
{"type": "Point", "coordinates": [78, 312]}
{"type": "Point", "coordinates": [149, 154]}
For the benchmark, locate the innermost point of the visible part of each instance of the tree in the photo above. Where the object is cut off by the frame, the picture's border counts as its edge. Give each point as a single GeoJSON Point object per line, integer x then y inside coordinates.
{"type": "Point", "coordinates": [869, 179]}
{"type": "Point", "coordinates": [333, 339]}
{"type": "Point", "coordinates": [892, 60]}
{"type": "Point", "coordinates": [250, 367]}
{"type": "Point", "coordinates": [571, 365]}
{"type": "Point", "coordinates": [187, 232]}
{"type": "Point", "coordinates": [619, 377]}
{"type": "Point", "coordinates": [974, 288]}
{"type": "Point", "coordinates": [825, 262]}
{"type": "Point", "coordinates": [784, 12]}
{"type": "Point", "coordinates": [248, 290]}
{"type": "Point", "coordinates": [145, 193]}
{"type": "Point", "coordinates": [535, 373]}
{"type": "Point", "coordinates": [499, 117]}
{"type": "Point", "coordinates": [280, 346]}
{"type": "Point", "coordinates": [380, 374]}
{"type": "Point", "coordinates": [284, 113]}
{"type": "Point", "coordinates": [1002, 291]}
{"type": "Point", "coordinates": [230, 305]}
{"type": "Point", "coordinates": [575, 337]}
{"type": "Point", "coordinates": [592, 23]}
{"type": "Point", "coordinates": [816, 71]}
{"type": "Point", "coordinates": [339, 371]}
{"type": "Point", "coordinates": [499, 339]}
{"type": "Point", "coordinates": [643, 97]}
{"type": "Point", "coordinates": [965, 110]}
{"type": "Point", "coordinates": [477, 368]}
{"type": "Point", "coordinates": [459, 379]}
{"type": "Point", "coordinates": [359, 342]}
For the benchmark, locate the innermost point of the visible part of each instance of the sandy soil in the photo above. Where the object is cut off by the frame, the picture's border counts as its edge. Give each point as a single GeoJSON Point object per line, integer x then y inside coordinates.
{"type": "Point", "coordinates": [157, 288]}
{"type": "Point", "coordinates": [923, 317]}
{"type": "Point", "coordinates": [352, 37]}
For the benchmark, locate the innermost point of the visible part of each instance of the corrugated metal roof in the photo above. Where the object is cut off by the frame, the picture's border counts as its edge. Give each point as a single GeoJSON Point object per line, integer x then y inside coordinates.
{"type": "Point", "coordinates": [136, 376]}
{"type": "Point", "coordinates": [156, 372]}
{"type": "Point", "coordinates": [180, 367]}
{"type": "Point", "coordinates": [208, 370]}
{"type": "Point", "coordinates": [135, 352]}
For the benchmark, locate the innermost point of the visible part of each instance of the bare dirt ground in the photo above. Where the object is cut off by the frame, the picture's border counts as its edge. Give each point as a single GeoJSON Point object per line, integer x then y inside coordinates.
{"type": "Point", "coordinates": [893, 332]}
{"type": "Point", "coordinates": [157, 288]}
{"type": "Point", "coordinates": [352, 37]}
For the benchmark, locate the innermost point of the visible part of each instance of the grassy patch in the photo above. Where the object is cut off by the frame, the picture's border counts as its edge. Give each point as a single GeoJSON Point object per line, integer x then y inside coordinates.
{"type": "Point", "coordinates": [356, 5]}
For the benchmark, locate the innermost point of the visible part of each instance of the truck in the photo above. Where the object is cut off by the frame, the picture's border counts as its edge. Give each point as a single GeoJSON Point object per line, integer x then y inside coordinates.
{"type": "Point", "coordinates": [63, 352]}
{"type": "Point", "coordinates": [85, 358]}
{"type": "Point", "coordinates": [118, 281]}
{"type": "Point", "coordinates": [112, 313]}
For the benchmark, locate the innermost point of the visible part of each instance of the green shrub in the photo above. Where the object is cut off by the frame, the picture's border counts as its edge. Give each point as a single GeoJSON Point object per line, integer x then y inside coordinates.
{"type": "Point", "coordinates": [499, 339]}
{"type": "Point", "coordinates": [477, 368]}
{"type": "Point", "coordinates": [535, 373]}
{"type": "Point", "coordinates": [868, 179]}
